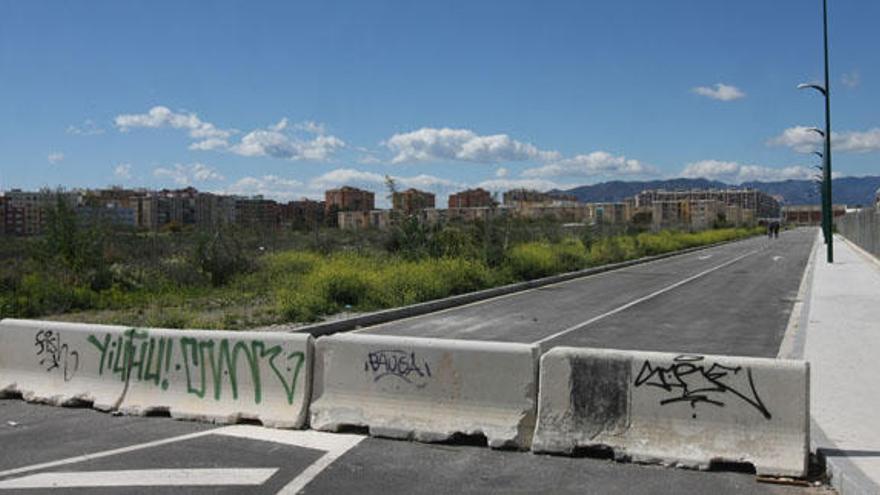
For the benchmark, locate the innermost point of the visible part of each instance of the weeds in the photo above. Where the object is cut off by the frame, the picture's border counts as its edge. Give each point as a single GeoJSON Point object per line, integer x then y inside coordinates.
{"type": "Point", "coordinates": [239, 280]}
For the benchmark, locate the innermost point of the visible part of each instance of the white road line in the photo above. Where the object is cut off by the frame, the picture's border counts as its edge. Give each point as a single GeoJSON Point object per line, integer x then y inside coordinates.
{"type": "Point", "coordinates": [335, 444]}
{"type": "Point", "coordinates": [308, 474]}
{"type": "Point", "coordinates": [377, 327]}
{"type": "Point", "coordinates": [308, 439]}
{"type": "Point", "coordinates": [105, 453]}
{"type": "Point", "coordinates": [143, 477]}
{"type": "Point", "coordinates": [644, 298]}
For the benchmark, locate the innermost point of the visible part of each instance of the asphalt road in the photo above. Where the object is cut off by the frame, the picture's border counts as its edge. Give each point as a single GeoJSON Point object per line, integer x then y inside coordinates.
{"type": "Point", "coordinates": [732, 299]}
{"type": "Point", "coordinates": [56, 450]}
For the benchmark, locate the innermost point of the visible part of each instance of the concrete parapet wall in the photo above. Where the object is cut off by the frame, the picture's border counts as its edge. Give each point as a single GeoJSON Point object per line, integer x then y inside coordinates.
{"type": "Point", "coordinates": [686, 410]}
{"type": "Point", "coordinates": [862, 227]}
{"type": "Point", "coordinates": [217, 376]}
{"type": "Point", "coordinates": [55, 363]}
{"type": "Point", "coordinates": [207, 375]}
{"type": "Point", "coordinates": [426, 389]}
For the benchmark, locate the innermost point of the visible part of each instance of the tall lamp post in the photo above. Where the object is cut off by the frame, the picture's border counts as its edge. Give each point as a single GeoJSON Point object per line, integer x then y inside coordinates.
{"type": "Point", "coordinates": [827, 215]}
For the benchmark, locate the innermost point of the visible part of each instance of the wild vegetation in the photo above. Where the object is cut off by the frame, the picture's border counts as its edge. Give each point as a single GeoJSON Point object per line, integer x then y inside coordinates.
{"type": "Point", "coordinates": [237, 279]}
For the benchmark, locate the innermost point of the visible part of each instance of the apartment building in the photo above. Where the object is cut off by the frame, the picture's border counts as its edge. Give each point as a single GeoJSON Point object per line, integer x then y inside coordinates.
{"type": "Point", "coordinates": [348, 198]}
{"type": "Point", "coordinates": [412, 200]}
{"type": "Point", "coordinates": [303, 213]}
{"type": "Point", "coordinates": [470, 198]}
{"type": "Point", "coordinates": [760, 204]}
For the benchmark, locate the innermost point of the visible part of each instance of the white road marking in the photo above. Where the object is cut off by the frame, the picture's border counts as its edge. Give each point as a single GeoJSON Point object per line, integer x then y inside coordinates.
{"type": "Point", "coordinates": [378, 327]}
{"type": "Point", "coordinates": [644, 298]}
{"type": "Point", "coordinates": [143, 477]}
{"type": "Point", "coordinates": [308, 439]}
{"type": "Point", "coordinates": [704, 257]}
{"type": "Point", "coordinates": [334, 444]}
{"type": "Point", "coordinates": [106, 453]}
{"type": "Point", "coordinates": [777, 258]}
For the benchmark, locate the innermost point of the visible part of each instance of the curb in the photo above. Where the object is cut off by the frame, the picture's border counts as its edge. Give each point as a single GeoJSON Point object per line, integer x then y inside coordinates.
{"type": "Point", "coordinates": [860, 250]}
{"type": "Point", "coordinates": [795, 337]}
{"type": "Point", "coordinates": [843, 475]}
{"type": "Point", "coordinates": [386, 315]}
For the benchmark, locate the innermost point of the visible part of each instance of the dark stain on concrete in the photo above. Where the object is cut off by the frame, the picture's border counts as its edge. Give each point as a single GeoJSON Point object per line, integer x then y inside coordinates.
{"type": "Point", "coordinates": [600, 396]}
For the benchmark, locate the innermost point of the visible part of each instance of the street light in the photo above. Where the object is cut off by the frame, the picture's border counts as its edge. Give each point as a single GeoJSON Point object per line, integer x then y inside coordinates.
{"type": "Point", "coordinates": [825, 90]}
{"type": "Point", "coordinates": [817, 131]}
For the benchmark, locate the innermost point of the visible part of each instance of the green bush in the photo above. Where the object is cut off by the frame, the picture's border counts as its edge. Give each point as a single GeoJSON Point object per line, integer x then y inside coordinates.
{"type": "Point", "coordinates": [532, 260]}
{"type": "Point", "coordinates": [571, 254]}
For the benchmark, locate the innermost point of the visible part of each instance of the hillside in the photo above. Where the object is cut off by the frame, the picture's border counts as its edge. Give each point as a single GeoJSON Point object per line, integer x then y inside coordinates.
{"type": "Point", "coordinates": [850, 191]}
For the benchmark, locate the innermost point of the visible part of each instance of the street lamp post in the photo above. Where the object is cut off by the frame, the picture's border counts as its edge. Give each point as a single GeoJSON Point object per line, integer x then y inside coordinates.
{"type": "Point", "coordinates": [827, 214]}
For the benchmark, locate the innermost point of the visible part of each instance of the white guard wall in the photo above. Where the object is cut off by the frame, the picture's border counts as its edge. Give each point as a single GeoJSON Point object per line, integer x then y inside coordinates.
{"type": "Point", "coordinates": [194, 374]}
{"type": "Point", "coordinates": [55, 363]}
{"type": "Point", "coordinates": [687, 410]}
{"type": "Point", "coordinates": [426, 389]}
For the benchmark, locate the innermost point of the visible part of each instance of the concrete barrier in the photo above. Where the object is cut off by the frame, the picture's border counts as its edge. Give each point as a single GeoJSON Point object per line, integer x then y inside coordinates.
{"type": "Point", "coordinates": [205, 375]}
{"type": "Point", "coordinates": [217, 376]}
{"type": "Point", "coordinates": [426, 389]}
{"type": "Point", "coordinates": [54, 363]}
{"type": "Point", "coordinates": [687, 410]}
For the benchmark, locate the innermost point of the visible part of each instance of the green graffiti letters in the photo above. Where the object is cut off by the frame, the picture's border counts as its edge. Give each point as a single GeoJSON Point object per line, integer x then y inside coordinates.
{"type": "Point", "coordinates": [210, 366]}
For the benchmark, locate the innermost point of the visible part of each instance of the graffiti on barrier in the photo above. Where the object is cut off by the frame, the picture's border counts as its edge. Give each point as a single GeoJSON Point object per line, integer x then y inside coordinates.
{"type": "Point", "coordinates": [692, 379]}
{"type": "Point", "coordinates": [55, 354]}
{"type": "Point", "coordinates": [211, 366]}
{"type": "Point", "coordinates": [395, 362]}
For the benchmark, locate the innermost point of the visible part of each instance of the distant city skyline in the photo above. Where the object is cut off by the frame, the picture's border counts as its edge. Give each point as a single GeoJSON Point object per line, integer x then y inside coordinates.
{"type": "Point", "coordinates": [287, 100]}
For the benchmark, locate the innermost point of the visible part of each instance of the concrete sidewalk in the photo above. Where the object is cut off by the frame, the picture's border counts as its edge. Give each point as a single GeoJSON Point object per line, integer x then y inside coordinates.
{"type": "Point", "coordinates": [842, 345]}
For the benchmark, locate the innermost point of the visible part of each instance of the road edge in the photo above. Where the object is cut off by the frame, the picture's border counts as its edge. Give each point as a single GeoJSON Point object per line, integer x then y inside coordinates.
{"type": "Point", "coordinates": [392, 314]}
{"type": "Point", "coordinates": [795, 337]}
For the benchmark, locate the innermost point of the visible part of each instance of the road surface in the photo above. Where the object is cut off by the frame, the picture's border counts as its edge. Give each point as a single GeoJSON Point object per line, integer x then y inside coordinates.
{"type": "Point", "coordinates": [732, 299]}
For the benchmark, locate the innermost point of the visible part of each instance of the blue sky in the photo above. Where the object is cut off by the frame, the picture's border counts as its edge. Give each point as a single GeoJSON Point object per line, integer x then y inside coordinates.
{"type": "Point", "coordinates": [288, 98]}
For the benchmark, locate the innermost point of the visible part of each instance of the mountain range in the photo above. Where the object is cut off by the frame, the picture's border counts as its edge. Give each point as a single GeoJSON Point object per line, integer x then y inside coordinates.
{"type": "Point", "coordinates": [850, 191]}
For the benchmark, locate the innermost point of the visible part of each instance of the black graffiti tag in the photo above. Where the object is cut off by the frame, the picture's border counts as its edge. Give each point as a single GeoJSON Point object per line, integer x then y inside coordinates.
{"type": "Point", "coordinates": [690, 379]}
{"type": "Point", "coordinates": [401, 364]}
{"type": "Point", "coordinates": [54, 354]}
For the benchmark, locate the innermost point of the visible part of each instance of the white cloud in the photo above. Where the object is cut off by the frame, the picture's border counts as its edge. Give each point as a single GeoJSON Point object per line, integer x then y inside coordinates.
{"type": "Point", "coordinates": [160, 116]}
{"type": "Point", "coordinates": [55, 157]}
{"type": "Point", "coordinates": [720, 91]}
{"type": "Point", "coordinates": [210, 144]}
{"type": "Point", "coordinates": [188, 174]}
{"type": "Point", "coordinates": [595, 163]}
{"type": "Point", "coordinates": [734, 172]}
{"type": "Point", "coordinates": [803, 140]}
{"type": "Point", "coordinates": [302, 141]}
{"type": "Point", "coordinates": [122, 171]}
{"type": "Point", "coordinates": [501, 172]}
{"type": "Point", "coordinates": [369, 160]}
{"type": "Point", "coordinates": [346, 176]}
{"type": "Point", "coordinates": [275, 142]}
{"type": "Point", "coordinates": [310, 127]}
{"type": "Point", "coordinates": [858, 142]}
{"type": "Point", "coordinates": [506, 184]}
{"type": "Point", "coordinates": [87, 128]}
{"type": "Point", "coordinates": [851, 79]}
{"type": "Point", "coordinates": [428, 144]}
{"type": "Point", "coordinates": [282, 189]}
{"type": "Point", "coordinates": [270, 186]}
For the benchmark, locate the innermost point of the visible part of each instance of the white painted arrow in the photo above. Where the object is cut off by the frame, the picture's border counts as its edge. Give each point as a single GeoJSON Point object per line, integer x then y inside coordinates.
{"type": "Point", "coordinates": [143, 477]}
